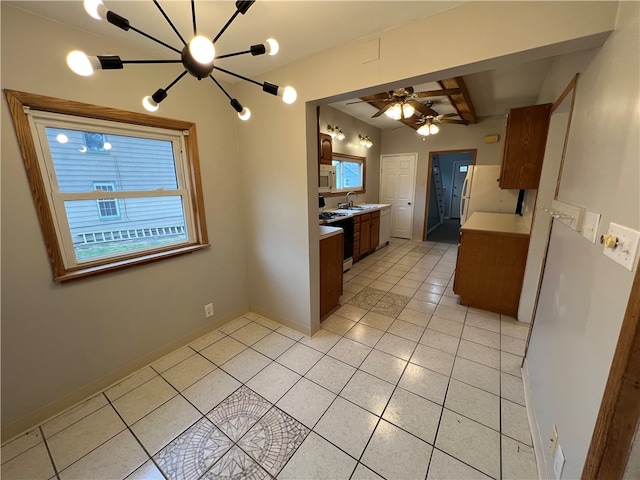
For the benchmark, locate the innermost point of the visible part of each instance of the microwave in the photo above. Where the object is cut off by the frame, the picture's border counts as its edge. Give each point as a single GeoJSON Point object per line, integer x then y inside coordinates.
{"type": "Point", "coordinates": [327, 180]}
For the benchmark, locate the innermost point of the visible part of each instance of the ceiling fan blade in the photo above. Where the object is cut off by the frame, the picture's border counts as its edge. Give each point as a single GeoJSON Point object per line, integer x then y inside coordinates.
{"type": "Point", "coordinates": [447, 115]}
{"type": "Point", "coordinates": [423, 109]}
{"type": "Point", "coordinates": [382, 110]}
{"type": "Point", "coordinates": [438, 93]}
{"type": "Point", "coordinates": [352, 103]}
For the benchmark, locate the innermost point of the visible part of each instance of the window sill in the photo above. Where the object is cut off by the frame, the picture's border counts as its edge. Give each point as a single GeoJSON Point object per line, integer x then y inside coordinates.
{"type": "Point", "coordinates": [82, 272]}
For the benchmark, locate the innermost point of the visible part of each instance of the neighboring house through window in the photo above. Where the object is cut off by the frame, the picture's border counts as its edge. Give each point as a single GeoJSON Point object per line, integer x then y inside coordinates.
{"type": "Point", "coordinates": [148, 166]}
{"type": "Point", "coordinates": [349, 172]}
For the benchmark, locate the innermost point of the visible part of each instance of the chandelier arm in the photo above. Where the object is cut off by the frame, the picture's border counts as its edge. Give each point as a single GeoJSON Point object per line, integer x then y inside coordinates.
{"type": "Point", "coordinates": [178, 78]}
{"type": "Point", "coordinates": [155, 39]}
{"type": "Point", "coordinates": [166, 17]}
{"type": "Point", "coordinates": [238, 76]}
{"type": "Point", "coordinates": [220, 87]}
{"type": "Point", "coordinates": [124, 62]}
{"type": "Point", "coordinates": [226, 25]}
{"type": "Point", "coordinates": [193, 17]}
{"type": "Point", "coordinates": [233, 54]}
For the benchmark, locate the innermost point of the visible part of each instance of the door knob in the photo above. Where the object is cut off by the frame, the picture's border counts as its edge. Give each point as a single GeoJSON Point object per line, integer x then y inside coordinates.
{"type": "Point", "coordinates": [408, 203]}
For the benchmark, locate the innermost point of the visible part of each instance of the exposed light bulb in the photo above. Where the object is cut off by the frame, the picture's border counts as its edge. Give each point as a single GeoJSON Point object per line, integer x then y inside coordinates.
{"type": "Point", "coordinates": [272, 46]}
{"type": "Point", "coordinates": [81, 64]}
{"type": "Point", "coordinates": [408, 110]}
{"type": "Point", "coordinates": [149, 104]}
{"type": "Point", "coordinates": [95, 8]}
{"type": "Point", "coordinates": [245, 114]}
{"type": "Point", "coordinates": [289, 94]}
{"type": "Point", "coordinates": [62, 138]}
{"type": "Point", "coordinates": [202, 49]}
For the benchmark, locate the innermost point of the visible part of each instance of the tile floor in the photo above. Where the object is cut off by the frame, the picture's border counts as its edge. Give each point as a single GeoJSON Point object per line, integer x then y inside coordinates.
{"type": "Point", "coordinates": [400, 383]}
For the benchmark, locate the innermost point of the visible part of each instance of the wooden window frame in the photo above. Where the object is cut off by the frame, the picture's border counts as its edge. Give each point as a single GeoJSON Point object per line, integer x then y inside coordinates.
{"type": "Point", "coordinates": [359, 190]}
{"type": "Point", "coordinates": [19, 102]}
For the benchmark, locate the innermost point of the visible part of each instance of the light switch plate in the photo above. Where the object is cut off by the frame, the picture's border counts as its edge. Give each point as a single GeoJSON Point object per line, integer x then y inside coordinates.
{"type": "Point", "coordinates": [590, 226]}
{"type": "Point", "coordinates": [558, 462]}
{"type": "Point", "coordinates": [625, 251]}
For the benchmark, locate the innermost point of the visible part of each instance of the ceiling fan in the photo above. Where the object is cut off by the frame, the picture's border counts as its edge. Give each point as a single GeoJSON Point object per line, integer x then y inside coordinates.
{"type": "Point", "coordinates": [402, 103]}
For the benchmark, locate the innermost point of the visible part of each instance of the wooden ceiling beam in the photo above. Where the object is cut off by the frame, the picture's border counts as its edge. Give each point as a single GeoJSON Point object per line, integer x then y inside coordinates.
{"type": "Point", "coordinates": [460, 101]}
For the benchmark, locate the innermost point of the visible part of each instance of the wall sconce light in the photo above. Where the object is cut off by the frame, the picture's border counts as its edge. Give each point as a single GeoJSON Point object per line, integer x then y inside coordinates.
{"type": "Point", "coordinates": [365, 141]}
{"type": "Point", "coordinates": [335, 132]}
{"type": "Point", "coordinates": [198, 56]}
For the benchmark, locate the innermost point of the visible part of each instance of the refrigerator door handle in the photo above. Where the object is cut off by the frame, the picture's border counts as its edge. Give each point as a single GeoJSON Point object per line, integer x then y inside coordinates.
{"type": "Point", "coordinates": [462, 205]}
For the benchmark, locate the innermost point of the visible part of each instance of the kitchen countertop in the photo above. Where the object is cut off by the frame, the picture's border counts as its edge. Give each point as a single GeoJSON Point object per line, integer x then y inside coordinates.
{"type": "Point", "coordinates": [364, 208]}
{"type": "Point", "coordinates": [326, 232]}
{"type": "Point", "coordinates": [507, 223]}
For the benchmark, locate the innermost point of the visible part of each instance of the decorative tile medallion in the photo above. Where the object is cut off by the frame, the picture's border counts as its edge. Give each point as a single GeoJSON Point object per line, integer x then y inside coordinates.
{"type": "Point", "coordinates": [388, 309]}
{"type": "Point", "coordinates": [273, 440]}
{"type": "Point", "coordinates": [396, 299]}
{"type": "Point", "coordinates": [239, 412]}
{"type": "Point", "coordinates": [194, 452]}
{"type": "Point", "coordinates": [236, 465]}
{"type": "Point", "coordinates": [367, 298]}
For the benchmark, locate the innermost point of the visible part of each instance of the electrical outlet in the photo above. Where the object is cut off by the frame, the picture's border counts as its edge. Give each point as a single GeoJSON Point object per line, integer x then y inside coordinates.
{"type": "Point", "coordinates": [553, 441]}
{"type": "Point", "coordinates": [208, 310]}
{"type": "Point", "coordinates": [558, 462]}
{"type": "Point", "coordinates": [621, 245]}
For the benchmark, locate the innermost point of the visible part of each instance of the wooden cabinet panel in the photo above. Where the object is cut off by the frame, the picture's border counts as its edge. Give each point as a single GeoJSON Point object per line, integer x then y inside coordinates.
{"type": "Point", "coordinates": [356, 238]}
{"type": "Point", "coordinates": [375, 230]}
{"type": "Point", "coordinates": [490, 271]}
{"type": "Point", "coordinates": [525, 141]}
{"type": "Point", "coordinates": [331, 253]}
{"type": "Point", "coordinates": [326, 149]}
{"type": "Point", "coordinates": [365, 233]}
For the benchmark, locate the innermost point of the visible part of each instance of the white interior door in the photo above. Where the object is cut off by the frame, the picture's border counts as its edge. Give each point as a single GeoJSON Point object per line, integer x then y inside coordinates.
{"type": "Point", "coordinates": [397, 188]}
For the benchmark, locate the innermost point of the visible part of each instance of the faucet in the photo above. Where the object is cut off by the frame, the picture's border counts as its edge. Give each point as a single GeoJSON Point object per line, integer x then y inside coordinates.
{"type": "Point", "coordinates": [346, 200]}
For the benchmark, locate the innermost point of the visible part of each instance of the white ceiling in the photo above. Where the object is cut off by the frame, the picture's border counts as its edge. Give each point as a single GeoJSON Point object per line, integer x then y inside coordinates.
{"type": "Point", "coordinates": [303, 28]}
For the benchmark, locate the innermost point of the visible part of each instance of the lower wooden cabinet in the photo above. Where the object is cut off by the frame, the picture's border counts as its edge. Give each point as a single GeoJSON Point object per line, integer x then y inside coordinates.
{"type": "Point", "coordinates": [366, 234]}
{"type": "Point", "coordinates": [490, 270]}
{"type": "Point", "coordinates": [331, 256]}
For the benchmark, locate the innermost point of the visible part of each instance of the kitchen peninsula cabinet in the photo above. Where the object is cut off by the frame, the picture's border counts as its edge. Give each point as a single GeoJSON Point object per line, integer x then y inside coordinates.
{"type": "Point", "coordinates": [525, 141]}
{"type": "Point", "coordinates": [366, 234]}
{"type": "Point", "coordinates": [331, 253]}
{"type": "Point", "coordinates": [492, 256]}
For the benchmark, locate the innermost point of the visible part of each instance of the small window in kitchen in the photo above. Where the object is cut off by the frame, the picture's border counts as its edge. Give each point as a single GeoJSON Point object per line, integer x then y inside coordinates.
{"type": "Point", "coordinates": [113, 188]}
{"type": "Point", "coordinates": [350, 172]}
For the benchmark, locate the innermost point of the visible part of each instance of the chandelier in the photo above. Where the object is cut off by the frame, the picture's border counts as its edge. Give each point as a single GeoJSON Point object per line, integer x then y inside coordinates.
{"type": "Point", "coordinates": [198, 56]}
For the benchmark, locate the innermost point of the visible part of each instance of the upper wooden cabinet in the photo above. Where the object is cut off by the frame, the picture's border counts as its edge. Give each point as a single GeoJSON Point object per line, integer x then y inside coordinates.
{"type": "Point", "coordinates": [326, 148]}
{"type": "Point", "coordinates": [525, 141]}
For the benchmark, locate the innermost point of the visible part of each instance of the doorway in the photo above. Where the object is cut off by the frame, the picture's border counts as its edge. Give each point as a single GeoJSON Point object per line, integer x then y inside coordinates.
{"type": "Point", "coordinates": [445, 175]}
{"type": "Point", "coordinates": [397, 188]}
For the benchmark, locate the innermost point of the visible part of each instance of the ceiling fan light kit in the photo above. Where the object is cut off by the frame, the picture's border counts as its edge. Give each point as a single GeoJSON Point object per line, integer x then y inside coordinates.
{"type": "Point", "coordinates": [198, 56]}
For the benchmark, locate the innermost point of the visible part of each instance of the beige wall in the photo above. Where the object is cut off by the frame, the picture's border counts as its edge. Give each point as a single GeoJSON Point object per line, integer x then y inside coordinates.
{"type": "Point", "coordinates": [584, 294]}
{"type": "Point", "coordinates": [352, 127]}
{"type": "Point", "coordinates": [58, 338]}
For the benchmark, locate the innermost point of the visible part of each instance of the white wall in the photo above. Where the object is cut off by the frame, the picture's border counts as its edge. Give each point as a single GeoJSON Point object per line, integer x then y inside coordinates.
{"type": "Point", "coordinates": [584, 294]}
{"type": "Point", "coordinates": [450, 137]}
{"type": "Point", "coordinates": [58, 338]}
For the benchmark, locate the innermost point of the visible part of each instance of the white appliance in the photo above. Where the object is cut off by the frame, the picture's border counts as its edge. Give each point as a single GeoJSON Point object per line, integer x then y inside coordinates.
{"type": "Point", "coordinates": [481, 193]}
{"type": "Point", "coordinates": [385, 226]}
{"type": "Point", "coordinates": [327, 181]}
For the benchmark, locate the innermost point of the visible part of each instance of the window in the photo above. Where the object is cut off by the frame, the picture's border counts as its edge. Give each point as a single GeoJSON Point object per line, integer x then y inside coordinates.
{"type": "Point", "coordinates": [350, 172]}
{"type": "Point", "coordinates": [74, 153]}
{"type": "Point", "coordinates": [107, 207]}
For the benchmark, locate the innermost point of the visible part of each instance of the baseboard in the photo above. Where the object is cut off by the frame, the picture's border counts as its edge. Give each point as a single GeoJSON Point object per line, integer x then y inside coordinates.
{"type": "Point", "coordinates": [538, 444]}
{"type": "Point", "coordinates": [298, 327]}
{"type": "Point", "coordinates": [78, 396]}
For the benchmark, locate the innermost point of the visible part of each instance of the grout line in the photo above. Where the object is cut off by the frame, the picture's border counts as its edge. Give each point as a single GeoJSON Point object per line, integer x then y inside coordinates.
{"type": "Point", "coordinates": [46, 444]}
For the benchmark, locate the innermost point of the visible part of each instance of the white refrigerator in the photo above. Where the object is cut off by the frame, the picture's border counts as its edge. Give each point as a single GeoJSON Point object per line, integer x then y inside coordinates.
{"type": "Point", "coordinates": [481, 193]}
